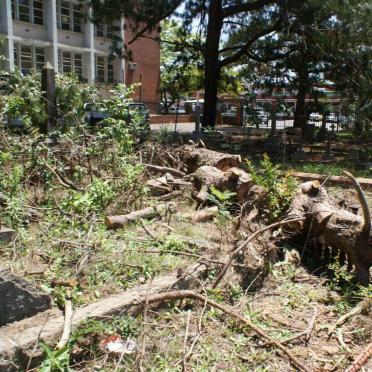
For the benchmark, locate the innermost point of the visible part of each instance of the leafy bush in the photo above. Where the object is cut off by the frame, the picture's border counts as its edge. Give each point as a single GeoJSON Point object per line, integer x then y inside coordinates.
{"type": "Point", "coordinates": [94, 199]}
{"type": "Point", "coordinates": [24, 99]}
{"type": "Point", "coordinates": [279, 187]}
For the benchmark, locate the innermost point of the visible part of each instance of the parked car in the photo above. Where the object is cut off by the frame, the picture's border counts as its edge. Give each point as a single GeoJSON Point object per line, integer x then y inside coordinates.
{"type": "Point", "coordinates": [174, 110]}
{"type": "Point", "coordinates": [314, 116]}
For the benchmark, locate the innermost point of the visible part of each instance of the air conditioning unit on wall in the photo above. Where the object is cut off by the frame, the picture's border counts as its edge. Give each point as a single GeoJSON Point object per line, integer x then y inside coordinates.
{"type": "Point", "coordinates": [132, 66]}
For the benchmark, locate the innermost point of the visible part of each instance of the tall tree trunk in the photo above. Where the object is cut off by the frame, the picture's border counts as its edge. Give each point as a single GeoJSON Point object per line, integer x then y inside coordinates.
{"type": "Point", "coordinates": [212, 66]}
{"type": "Point", "coordinates": [300, 117]}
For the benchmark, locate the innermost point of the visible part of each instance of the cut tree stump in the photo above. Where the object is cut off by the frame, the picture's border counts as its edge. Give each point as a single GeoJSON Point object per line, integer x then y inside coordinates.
{"type": "Point", "coordinates": [205, 177]}
{"type": "Point", "coordinates": [334, 227]}
{"type": "Point", "coordinates": [115, 222]}
{"type": "Point", "coordinates": [234, 179]}
{"type": "Point", "coordinates": [238, 181]}
{"type": "Point", "coordinates": [194, 157]}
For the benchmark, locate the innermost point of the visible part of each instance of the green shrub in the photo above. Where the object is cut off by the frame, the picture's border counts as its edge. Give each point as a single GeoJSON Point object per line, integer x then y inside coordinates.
{"type": "Point", "coordinates": [279, 187]}
{"type": "Point", "coordinates": [94, 199]}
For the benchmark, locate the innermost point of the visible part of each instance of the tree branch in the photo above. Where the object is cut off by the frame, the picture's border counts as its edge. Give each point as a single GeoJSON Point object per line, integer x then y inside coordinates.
{"type": "Point", "coordinates": [244, 49]}
{"type": "Point", "coordinates": [246, 7]}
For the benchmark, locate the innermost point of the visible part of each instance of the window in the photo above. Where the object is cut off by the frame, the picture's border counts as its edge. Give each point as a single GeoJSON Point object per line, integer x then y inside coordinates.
{"type": "Point", "coordinates": [76, 16]}
{"type": "Point", "coordinates": [31, 11]}
{"type": "Point", "coordinates": [104, 70]}
{"type": "Point", "coordinates": [39, 58]}
{"type": "Point", "coordinates": [65, 15]}
{"type": "Point", "coordinates": [28, 57]}
{"type": "Point", "coordinates": [78, 63]}
{"type": "Point", "coordinates": [24, 10]}
{"type": "Point", "coordinates": [110, 72]}
{"type": "Point", "coordinates": [69, 16]}
{"type": "Point", "coordinates": [100, 69]}
{"type": "Point", "coordinates": [104, 30]}
{"type": "Point", "coordinates": [100, 30]}
{"type": "Point", "coordinates": [66, 62]}
{"type": "Point", "coordinates": [38, 12]}
{"type": "Point", "coordinates": [70, 62]}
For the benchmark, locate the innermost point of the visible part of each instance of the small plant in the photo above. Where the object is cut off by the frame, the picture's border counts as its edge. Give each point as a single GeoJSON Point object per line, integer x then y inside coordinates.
{"type": "Point", "coordinates": [345, 283]}
{"type": "Point", "coordinates": [279, 187]}
{"type": "Point", "coordinates": [55, 360]}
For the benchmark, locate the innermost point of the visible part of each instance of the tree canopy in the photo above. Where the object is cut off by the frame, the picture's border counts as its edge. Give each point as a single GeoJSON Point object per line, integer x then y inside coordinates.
{"type": "Point", "coordinates": [314, 40]}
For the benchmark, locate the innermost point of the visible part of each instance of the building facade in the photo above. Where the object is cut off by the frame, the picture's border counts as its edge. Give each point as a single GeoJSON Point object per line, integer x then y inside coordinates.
{"type": "Point", "coordinates": [60, 32]}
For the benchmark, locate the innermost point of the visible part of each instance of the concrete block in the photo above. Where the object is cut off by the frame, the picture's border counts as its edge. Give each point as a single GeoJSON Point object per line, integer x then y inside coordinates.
{"type": "Point", "coordinates": [19, 298]}
{"type": "Point", "coordinates": [6, 235]}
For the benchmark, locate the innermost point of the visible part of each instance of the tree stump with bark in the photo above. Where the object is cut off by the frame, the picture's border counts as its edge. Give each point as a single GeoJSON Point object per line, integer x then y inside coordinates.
{"type": "Point", "coordinates": [335, 227]}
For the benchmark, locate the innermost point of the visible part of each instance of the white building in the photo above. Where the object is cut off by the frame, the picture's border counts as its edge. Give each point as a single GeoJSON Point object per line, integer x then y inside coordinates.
{"type": "Point", "coordinates": [59, 31]}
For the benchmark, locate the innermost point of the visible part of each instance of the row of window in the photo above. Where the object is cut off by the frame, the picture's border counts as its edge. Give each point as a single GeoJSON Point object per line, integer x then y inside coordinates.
{"type": "Point", "coordinates": [28, 57]}
{"type": "Point", "coordinates": [28, 11]}
{"type": "Point", "coordinates": [69, 16]}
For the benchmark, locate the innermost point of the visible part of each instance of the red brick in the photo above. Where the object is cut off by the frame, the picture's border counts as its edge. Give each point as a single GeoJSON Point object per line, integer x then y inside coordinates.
{"type": "Point", "coordinates": [146, 53]}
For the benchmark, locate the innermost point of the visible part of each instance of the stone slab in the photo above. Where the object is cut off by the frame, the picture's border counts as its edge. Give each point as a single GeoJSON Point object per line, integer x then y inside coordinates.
{"type": "Point", "coordinates": [19, 298]}
{"type": "Point", "coordinates": [6, 235]}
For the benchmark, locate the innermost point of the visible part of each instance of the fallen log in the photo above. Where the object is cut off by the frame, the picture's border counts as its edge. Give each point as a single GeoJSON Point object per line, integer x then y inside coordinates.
{"type": "Point", "coordinates": [203, 215]}
{"type": "Point", "coordinates": [158, 186]}
{"type": "Point", "coordinates": [194, 157]}
{"type": "Point", "coordinates": [336, 180]}
{"type": "Point", "coordinates": [115, 222]}
{"type": "Point", "coordinates": [163, 170]}
{"type": "Point", "coordinates": [334, 227]}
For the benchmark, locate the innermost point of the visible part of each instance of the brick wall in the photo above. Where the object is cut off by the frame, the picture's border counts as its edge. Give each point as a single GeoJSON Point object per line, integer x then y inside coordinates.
{"type": "Point", "coordinates": [146, 53]}
{"type": "Point", "coordinates": [164, 119]}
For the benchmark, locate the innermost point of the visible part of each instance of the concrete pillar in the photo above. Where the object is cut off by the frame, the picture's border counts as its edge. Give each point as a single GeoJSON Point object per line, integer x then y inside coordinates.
{"type": "Point", "coordinates": [89, 57]}
{"type": "Point", "coordinates": [6, 27]}
{"type": "Point", "coordinates": [51, 25]}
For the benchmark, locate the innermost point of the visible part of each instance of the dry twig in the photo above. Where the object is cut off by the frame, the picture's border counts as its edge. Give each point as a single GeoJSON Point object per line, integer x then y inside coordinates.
{"type": "Point", "coordinates": [67, 324]}
{"type": "Point", "coordinates": [311, 325]}
{"type": "Point", "coordinates": [361, 359]}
